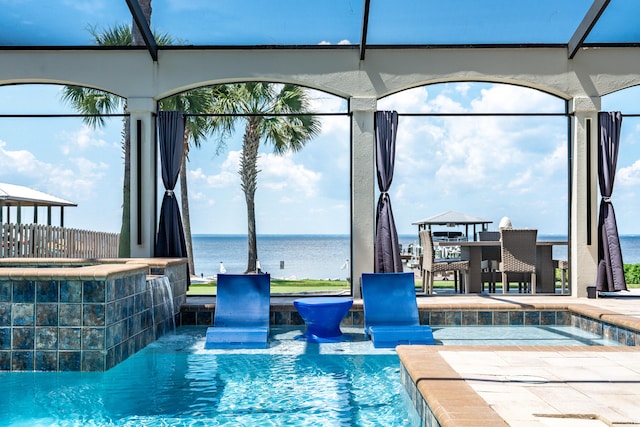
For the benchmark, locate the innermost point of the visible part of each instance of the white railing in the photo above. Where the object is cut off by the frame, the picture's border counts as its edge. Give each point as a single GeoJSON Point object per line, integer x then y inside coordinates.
{"type": "Point", "coordinates": [44, 241]}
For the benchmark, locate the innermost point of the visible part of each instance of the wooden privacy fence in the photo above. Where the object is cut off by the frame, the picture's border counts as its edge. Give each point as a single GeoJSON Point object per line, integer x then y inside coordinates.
{"type": "Point", "coordinates": [45, 241]}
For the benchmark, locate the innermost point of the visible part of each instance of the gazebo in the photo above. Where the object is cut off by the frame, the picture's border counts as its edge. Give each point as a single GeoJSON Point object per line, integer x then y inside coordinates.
{"type": "Point", "coordinates": [453, 219]}
{"type": "Point", "coordinates": [18, 196]}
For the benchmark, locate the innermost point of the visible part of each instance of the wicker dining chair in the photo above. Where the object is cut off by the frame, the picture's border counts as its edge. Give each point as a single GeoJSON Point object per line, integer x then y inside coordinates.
{"type": "Point", "coordinates": [430, 266]}
{"type": "Point", "coordinates": [518, 253]}
{"type": "Point", "coordinates": [490, 259]}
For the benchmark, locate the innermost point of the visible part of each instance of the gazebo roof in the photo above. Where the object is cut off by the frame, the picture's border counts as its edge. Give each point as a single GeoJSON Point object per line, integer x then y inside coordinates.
{"type": "Point", "coordinates": [14, 195]}
{"type": "Point", "coordinates": [452, 218]}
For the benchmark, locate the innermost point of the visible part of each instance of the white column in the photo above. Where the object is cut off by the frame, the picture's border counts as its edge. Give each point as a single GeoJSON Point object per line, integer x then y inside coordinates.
{"type": "Point", "coordinates": [143, 176]}
{"type": "Point", "coordinates": [362, 189]}
{"type": "Point", "coordinates": [583, 251]}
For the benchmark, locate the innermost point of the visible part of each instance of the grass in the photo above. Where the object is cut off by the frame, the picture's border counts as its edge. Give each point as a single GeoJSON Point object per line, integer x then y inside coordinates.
{"type": "Point", "coordinates": [279, 286]}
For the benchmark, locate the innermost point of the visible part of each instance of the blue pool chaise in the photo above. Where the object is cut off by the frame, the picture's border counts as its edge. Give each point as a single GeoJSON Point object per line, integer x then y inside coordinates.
{"type": "Point", "coordinates": [241, 318]}
{"type": "Point", "coordinates": [391, 310]}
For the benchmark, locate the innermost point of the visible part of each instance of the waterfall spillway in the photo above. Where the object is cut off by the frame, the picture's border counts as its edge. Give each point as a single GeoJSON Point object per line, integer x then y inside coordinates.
{"type": "Point", "coordinates": [163, 310]}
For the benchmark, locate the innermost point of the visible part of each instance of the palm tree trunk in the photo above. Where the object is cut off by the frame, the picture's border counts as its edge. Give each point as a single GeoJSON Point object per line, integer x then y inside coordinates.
{"type": "Point", "coordinates": [249, 181]}
{"type": "Point", "coordinates": [184, 201]}
{"type": "Point", "coordinates": [124, 244]}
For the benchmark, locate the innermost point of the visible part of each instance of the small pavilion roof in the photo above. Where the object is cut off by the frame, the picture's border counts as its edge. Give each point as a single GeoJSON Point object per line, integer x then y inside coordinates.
{"type": "Point", "coordinates": [452, 218]}
{"type": "Point", "coordinates": [14, 195]}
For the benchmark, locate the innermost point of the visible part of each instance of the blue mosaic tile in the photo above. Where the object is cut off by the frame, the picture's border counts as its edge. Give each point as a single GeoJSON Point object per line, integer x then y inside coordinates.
{"type": "Point", "coordinates": [47, 338]}
{"type": "Point", "coordinates": [22, 361]}
{"type": "Point", "coordinates": [46, 361]}
{"type": "Point", "coordinates": [437, 318]}
{"type": "Point", "coordinates": [5, 313]}
{"type": "Point", "coordinates": [24, 291]}
{"type": "Point", "coordinates": [93, 291]}
{"type": "Point", "coordinates": [69, 360]}
{"type": "Point", "coordinates": [563, 318]}
{"type": "Point", "coordinates": [532, 318]}
{"type": "Point", "coordinates": [469, 318]}
{"type": "Point", "coordinates": [609, 331]}
{"type": "Point", "coordinates": [93, 314]}
{"type": "Point", "coordinates": [70, 291]}
{"type": "Point", "coordinates": [189, 318]}
{"type": "Point", "coordinates": [70, 315]}
{"type": "Point", "coordinates": [93, 361]}
{"type": "Point", "coordinates": [485, 318]}
{"type": "Point", "coordinates": [93, 338]}
{"type": "Point", "coordinates": [69, 338]}
{"type": "Point", "coordinates": [452, 318]}
{"type": "Point", "coordinates": [111, 289]}
{"type": "Point", "coordinates": [46, 314]}
{"type": "Point", "coordinates": [5, 290]}
{"type": "Point", "coordinates": [501, 318]}
{"type": "Point", "coordinates": [47, 291]}
{"type": "Point", "coordinates": [516, 318]}
{"type": "Point", "coordinates": [547, 318]}
{"type": "Point", "coordinates": [23, 338]}
{"type": "Point", "coordinates": [5, 360]}
{"type": "Point", "coordinates": [5, 338]}
{"type": "Point", "coordinates": [205, 318]}
{"type": "Point", "coordinates": [23, 314]}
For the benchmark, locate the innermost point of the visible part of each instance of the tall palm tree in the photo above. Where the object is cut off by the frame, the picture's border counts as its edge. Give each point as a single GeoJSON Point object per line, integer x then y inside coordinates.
{"type": "Point", "coordinates": [279, 115]}
{"type": "Point", "coordinates": [92, 101]}
{"type": "Point", "coordinates": [89, 101]}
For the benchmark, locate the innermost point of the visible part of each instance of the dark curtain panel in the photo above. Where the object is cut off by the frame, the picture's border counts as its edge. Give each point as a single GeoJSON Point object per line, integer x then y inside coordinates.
{"type": "Point", "coordinates": [610, 266]}
{"type": "Point", "coordinates": [170, 241]}
{"type": "Point", "coordinates": [387, 249]}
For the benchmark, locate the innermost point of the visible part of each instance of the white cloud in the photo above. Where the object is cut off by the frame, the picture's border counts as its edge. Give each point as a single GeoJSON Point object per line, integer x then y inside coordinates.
{"type": "Point", "coordinates": [628, 176]}
{"type": "Point", "coordinates": [82, 139]}
{"type": "Point", "coordinates": [280, 172]}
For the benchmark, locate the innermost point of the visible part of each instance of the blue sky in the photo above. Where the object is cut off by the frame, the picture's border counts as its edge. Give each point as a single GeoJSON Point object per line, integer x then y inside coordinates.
{"type": "Point", "coordinates": [484, 166]}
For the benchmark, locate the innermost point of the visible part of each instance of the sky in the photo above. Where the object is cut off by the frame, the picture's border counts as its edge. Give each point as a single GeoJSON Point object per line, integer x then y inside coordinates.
{"type": "Point", "coordinates": [485, 166]}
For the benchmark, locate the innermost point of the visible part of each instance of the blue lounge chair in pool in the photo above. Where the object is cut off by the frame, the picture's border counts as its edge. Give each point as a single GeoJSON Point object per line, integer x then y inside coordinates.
{"type": "Point", "coordinates": [241, 318]}
{"type": "Point", "coordinates": [391, 310]}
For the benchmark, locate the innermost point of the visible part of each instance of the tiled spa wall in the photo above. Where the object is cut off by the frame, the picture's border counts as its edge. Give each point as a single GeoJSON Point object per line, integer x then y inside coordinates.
{"type": "Point", "coordinates": [88, 323]}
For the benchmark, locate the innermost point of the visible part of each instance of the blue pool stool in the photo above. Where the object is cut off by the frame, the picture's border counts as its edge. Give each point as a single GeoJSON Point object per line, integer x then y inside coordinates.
{"type": "Point", "coordinates": [322, 317]}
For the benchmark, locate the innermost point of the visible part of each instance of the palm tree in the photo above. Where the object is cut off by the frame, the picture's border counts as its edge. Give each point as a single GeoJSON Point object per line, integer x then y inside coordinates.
{"type": "Point", "coordinates": [92, 102]}
{"type": "Point", "coordinates": [89, 102]}
{"type": "Point", "coordinates": [277, 114]}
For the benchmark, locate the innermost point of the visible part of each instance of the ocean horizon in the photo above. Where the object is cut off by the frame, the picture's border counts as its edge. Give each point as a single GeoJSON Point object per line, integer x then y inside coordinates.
{"type": "Point", "coordinates": [319, 256]}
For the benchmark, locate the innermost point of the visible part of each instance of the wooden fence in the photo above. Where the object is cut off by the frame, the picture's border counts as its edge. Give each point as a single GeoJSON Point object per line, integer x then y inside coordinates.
{"type": "Point", "coordinates": [45, 241]}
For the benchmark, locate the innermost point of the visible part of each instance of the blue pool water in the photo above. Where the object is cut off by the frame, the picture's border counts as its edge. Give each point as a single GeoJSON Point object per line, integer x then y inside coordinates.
{"type": "Point", "coordinates": [175, 382]}
{"type": "Point", "coordinates": [518, 335]}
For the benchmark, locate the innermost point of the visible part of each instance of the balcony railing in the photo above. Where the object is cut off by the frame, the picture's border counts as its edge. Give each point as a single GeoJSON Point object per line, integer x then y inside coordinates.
{"type": "Point", "coordinates": [44, 241]}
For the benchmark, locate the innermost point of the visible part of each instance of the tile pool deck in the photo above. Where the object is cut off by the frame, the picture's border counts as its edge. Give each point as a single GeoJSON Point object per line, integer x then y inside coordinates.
{"type": "Point", "coordinates": [531, 386]}
{"type": "Point", "coordinates": [523, 386]}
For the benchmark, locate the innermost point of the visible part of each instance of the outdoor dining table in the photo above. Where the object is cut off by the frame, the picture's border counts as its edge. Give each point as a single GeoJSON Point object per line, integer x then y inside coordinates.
{"type": "Point", "coordinates": [472, 251]}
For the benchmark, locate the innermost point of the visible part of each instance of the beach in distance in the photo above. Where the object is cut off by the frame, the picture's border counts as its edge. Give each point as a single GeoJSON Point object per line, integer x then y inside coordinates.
{"type": "Point", "coordinates": [318, 256]}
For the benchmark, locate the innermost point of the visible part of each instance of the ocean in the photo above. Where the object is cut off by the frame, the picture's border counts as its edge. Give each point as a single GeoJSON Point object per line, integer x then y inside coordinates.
{"type": "Point", "coordinates": [312, 256]}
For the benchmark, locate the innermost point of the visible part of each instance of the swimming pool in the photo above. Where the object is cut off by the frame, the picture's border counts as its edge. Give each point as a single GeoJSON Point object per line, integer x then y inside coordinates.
{"type": "Point", "coordinates": [175, 382]}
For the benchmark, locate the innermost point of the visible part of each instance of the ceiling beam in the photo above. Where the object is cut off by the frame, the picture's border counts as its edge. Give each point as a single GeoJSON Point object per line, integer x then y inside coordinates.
{"type": "Point", "coordinates": [587, 24]}
{"type": "Point", "coordinates": [143, 25]}
{"type": "Point", "coordinates": [365, 27]}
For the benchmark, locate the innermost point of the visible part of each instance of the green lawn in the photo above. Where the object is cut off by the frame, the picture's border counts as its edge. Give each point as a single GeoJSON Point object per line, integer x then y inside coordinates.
{"type": "Point", "coordinates": [318, 286]}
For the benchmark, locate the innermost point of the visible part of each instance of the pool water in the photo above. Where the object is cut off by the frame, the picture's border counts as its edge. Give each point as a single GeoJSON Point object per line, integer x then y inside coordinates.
{"type": "Point", "coordinates": [518, 335]}
{"type": "Point", "coordinates": [174, 382]}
